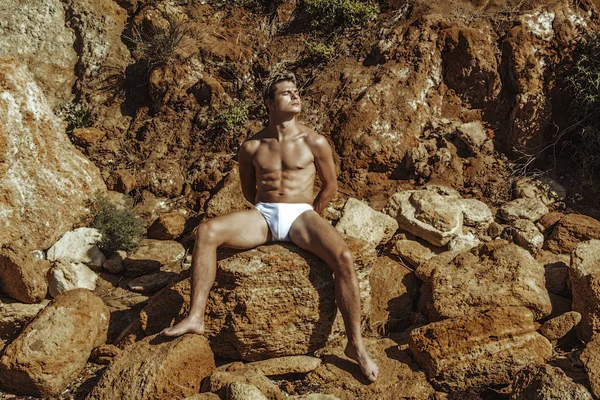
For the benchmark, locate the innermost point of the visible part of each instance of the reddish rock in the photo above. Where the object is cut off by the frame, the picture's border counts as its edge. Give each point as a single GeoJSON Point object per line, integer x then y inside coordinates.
{"type": "Point", "coordinates": [558, 327]}
{"type": "Point", "coordinates": [157, 368]}
{"type": "Point", "coordinates": [22, 276]}
{"type": "Point", "coordinates": [87, 136]}
{"type": "Point", "coordinates": [153, 254]}
{"type": "Point", "coordinates": [54, 347]}
{"type": "Point", "coordinates": [46, 183]}
{"type": "Point", "coordinates": [121, 181]}
{"type": "Point", "coordinates": [546, 382]}
{"type": "Point", "coordinates": [571, 230]}
{"type": "Point", "coordinates": [14, 316]}
{"type": "Point", "coordinates": [230, 198]}
{"type": "Point", "coordinates": [167, 227]}
{"type": "Point", "coordinates": [219, 382]}
{"type": "Point", "coordinates": [591, 361]}
{"type": "Point", "coordinates": [548, 221]}
{"type": "Point", "coordinates": [479, 350]}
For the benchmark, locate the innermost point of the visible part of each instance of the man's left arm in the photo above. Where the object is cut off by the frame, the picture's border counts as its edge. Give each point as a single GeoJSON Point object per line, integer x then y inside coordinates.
{"type": "Point", "coordinates": [326, 170]}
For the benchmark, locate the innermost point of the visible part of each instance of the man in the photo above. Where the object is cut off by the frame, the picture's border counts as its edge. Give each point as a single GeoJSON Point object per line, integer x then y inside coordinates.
{"type": "Point", "coordinates": [277, 169]}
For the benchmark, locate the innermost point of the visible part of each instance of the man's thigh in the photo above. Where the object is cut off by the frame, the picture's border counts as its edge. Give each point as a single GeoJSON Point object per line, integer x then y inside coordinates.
{"type": "Point", "coordinates": [240, 230]}
{"type": "Point", "coordinates": [315, 234]}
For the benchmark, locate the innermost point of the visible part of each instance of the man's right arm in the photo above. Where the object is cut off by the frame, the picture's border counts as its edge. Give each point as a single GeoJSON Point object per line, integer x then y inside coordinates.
{"type": "Point", "coordinates": [247, 173]}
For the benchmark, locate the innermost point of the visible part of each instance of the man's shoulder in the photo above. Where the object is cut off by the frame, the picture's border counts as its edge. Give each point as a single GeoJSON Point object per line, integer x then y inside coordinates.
{"type": "Point", "coordinates": [313, 138]}
{"type": "Point", "coordinates": [252, 143]}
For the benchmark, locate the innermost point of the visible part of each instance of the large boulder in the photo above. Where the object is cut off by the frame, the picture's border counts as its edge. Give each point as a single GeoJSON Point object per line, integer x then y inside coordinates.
{"type": "Point", "coordinates": [399, 376]}
{"type": "Point", "coordinates": [496, 274]}
{"type": "Point", "coordinates": [79, 246]}
{"type": "Point", "coordinates": [35, 33]}
{"type": "Point", "coordinates": [571, 230]}
{"type": "Point", "coordinates": [584, 273]}
{"type": "Point", "coordinates": [272, 301]}
{"type": "Point", "coordinates": [591, 361]}
{"type": "Point", "coordinates": [523, 208]}
{"type": "Point", "coordinates": [14, 316]}
{"type": "Point", "coordinates": [361, 221]}
{"type": "Point", "coordinates": [229, 198]}
{"type": "Point", "coordinates": [40, 163]}
{"type": "Point", "coordinates": [67, 275]}
{"type": "Point", "coordinates": [54, 347]}
{"type": "Point", "coordinates": [22, 276]}
{"type": "Point", "coordinates": [548, 383]}
{"type": "Point", "coordinates": [479, 350]}
{"type": "Point", "coordinates": [427, 214]}
{"type": "Point", "coordinates": [157, 368]}
{"type": "Point", "coordinates": [153, 254]}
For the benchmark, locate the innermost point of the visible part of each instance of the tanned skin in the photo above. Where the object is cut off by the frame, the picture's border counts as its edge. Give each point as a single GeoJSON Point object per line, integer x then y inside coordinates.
{"type": "Point", "coordinates": [279, 165]}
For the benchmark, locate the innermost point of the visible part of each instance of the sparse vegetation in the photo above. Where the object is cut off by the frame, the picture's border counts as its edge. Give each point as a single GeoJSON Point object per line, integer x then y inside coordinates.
{"type": "Point", "coordinates": [120, 228]}
{"type": "Point", "coordinates": [235, 116]}
{"type": "Point", "coordinates": [329, 16]}
{"type": "Point", "coordinates": [584, 82]}
{"type": "Point", "coordinates": [76, 116]}
{"type": "Point", "coordinates": [319, 51]}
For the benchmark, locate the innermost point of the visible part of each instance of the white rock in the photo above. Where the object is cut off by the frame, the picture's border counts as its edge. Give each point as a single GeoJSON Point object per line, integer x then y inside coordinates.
{"type": "Point", "coordinates": [361, 221]}
{"type": "Point", "coordinates": [545, 190]}
{"type": "Point", "coordinates": [476, 213]}
{"type": "Point", "coordinates": [523, 208]}
{"type": "Point", "coordinates": [244, 391]}
{"type": "Point", "coordinates": [79, 246]}
{"type": "Point", "coordinates": [528, 236]}
{"type": "Point", "coordinates": [65, 276]}
{"type": "Point", "coordinates": [463, 242]}
{"type": "Point", "coordinates": [473, 135]}
{"type": "Point", "coordinates": [427, 214]}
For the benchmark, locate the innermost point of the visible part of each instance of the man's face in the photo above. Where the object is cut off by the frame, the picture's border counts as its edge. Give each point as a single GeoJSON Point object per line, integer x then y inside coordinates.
{"type": "Point", "coordinates": [286, 98]}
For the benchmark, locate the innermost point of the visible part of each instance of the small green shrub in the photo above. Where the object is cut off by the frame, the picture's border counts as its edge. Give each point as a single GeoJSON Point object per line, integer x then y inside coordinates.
{"type": "Point", "coordinates": [319, 51]}
{"type": "Point", "coordinates": [120, 228]}
{"type": "Point", "coordinates": [234, 117]}
{"type": "Point", "coordinates": [584, 83]}
{"type": "Point", "coordinates": [76, 116]}
{"type": "Point", "coordinates": [329, 16]}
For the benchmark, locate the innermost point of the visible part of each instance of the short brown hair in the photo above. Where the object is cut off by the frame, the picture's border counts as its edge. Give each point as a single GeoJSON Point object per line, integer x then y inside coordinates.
{"type": "Point", "coordinates": [269, 88]}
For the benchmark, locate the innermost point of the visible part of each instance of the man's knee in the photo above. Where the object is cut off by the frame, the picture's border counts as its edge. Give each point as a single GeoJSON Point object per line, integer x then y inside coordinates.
{"type": "Point", "coordinates": [207, 232]}
{"type": "Point", "coordinates": [345, 261]}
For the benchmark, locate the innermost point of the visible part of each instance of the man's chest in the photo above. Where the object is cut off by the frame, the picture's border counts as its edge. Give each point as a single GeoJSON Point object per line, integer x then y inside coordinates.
{"type": "Point", "coordinates": [286, 155]}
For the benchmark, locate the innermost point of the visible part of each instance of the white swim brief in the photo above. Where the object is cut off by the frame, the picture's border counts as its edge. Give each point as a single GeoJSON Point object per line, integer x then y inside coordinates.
{"type": "Point", "coordinates": [281, 216]}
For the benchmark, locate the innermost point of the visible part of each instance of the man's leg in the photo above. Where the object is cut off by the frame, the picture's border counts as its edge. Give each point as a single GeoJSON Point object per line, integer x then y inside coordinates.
{"type": "Point", "coordinates": [313, 233]}
{"type": "Point", "coordinates": [240, 230]}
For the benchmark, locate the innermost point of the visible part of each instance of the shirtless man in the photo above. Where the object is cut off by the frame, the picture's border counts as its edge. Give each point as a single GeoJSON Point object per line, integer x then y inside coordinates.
{"type": "Point", "coordinates": [277, 170]}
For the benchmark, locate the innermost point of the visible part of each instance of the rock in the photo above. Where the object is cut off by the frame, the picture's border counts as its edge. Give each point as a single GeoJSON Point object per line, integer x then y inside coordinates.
{"type": "Point", "coordinates": [153, 254]}
{"type": "Point", "coordinates": [86, 137]}
{"type": "Point", "coordinates": [167, 227]}
{"type": "Point", "coordinates": [219, 381]}
{"type": "Point", "coordinates": [548, 383]}
{"type": "Point", "coordinates": [243, 391]}
{"type": "Point", "coordinates": [157, 368]}
{"type": "Point", "coordinates": [361, 221]}
{"type": "Point", "coordinates": [79, 246]}
{"type": "Point", "coordinates": [479, 350]}
{"type": "Point", "coordinates": [495, 230]}
{"type": "Point", "coordinates": [463, 242]}
{"type": "Point", "coordinates": [560, 305]}
{"type": "Point", "coordinates": [425, 269]}
{"type": "Point", "coordinates": [22, 277]}
{"type": "Point", "coordinates": [558, 327]}
{"type": "Point", "coordinates": [557, 271]}
{"type": "Point", "coordinates": [40, 163]}
{"type": "Point", "coordinates": [473, 135]}
{"type": "Point", "coordinates": [286, 365]}
{"type": "Point", "coordinates": [411, 251]}
{"type": "Point", "coordinates": [54, 347]}
{"type": "Point", "coordinates": [121, 181]}
{"type": "Point", "coordinates": [496, 274]}
{"type": "Point", "coordinates": [162, 177]}
{"type": "Point", "coordinates": [394, 289]}
{"type": "Point", "coordinates": [527, 235]}
{"type": "Point", "coordinates": [342, 378]}
{"type": "Point", "coordinates": [66, 275]}
{"type": "Point", "coordinates": [426, 214]}
{"type": "Point", "coordinates": [15, 316]}
{"type": "Point", "coordinates": [571, 230]}
{"type": "Point", "coordinates": [151, 208]}
{"type": "Point", "coordinates": [204, 396]}
{"type": "Point", "coordinates": [536, 189]}
{"type": "Point", "coordinates": [104, 354]}
{"type": "Point", "coordinates": [548, 221]}
{"type": "Point", "coordinates": [523, 208]}
{"type": "Point", "coordinates": [584, 273]}
{"type": "Point", "coordinates": [153, 282]}
{"type": "Point", "coordinates": [591, 361]}
{"type": "Point", "coordinates": [229, 198]}
{"type": "Point", "coordinates": [272, 301]}
{"type": "Point", "coordinates": [313, 396]}
{"type": "Point", "coordinates": [25, 32]}
{"type": "Point", "coordinates": [114, 264]}
{"type": "Point", "coordinates": [476, 213]}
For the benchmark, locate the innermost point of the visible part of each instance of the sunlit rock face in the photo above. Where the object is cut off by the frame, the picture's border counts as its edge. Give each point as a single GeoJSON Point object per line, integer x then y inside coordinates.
{"type": "Point", "coordinates": [44, 181]}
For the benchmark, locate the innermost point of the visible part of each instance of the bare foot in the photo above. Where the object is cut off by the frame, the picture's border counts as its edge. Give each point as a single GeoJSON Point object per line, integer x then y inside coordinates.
{"type": "Point", "coordinates": [186, 325]}
{"type": "Point", "coordinates": [360, 355]}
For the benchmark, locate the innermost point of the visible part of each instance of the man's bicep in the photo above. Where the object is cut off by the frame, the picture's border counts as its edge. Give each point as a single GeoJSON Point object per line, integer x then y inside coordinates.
{"type": "Point", "coordinates": [324, 161]}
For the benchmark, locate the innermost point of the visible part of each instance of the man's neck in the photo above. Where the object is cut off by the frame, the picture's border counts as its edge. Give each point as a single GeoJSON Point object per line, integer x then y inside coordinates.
{"type": "Point", "coordinates": [282, 127]}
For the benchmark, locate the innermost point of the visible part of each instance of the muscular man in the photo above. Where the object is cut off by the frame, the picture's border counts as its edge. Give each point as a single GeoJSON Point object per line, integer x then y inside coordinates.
{"type": "Point", "coordinates": [277, 170]}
